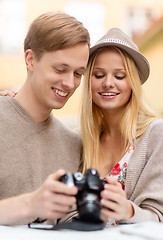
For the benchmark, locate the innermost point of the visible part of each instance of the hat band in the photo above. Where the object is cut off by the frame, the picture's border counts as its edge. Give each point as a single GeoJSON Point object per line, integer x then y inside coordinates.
{"type": "Point", "coordinates": [114, 40]}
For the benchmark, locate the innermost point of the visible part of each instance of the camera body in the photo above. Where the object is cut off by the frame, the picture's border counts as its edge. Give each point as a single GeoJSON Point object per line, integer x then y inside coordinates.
{"type": "Point", "coordinates": [88, 196]}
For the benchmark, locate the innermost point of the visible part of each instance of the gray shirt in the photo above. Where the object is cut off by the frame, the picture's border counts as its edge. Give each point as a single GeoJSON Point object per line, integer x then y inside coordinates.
{"type": "Point", "coordinates": [29, 151]}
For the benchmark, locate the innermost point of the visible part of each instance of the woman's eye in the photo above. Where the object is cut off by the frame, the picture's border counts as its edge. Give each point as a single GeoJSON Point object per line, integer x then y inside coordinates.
{"type": "Point", "coordinates": [99, 76]}
{"type": "Point", "coordinates": [120, 77]}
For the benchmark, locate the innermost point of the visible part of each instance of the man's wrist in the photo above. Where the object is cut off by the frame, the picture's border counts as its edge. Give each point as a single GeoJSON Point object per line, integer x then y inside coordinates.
{"type": "Point", "coordinates": [27, 208]}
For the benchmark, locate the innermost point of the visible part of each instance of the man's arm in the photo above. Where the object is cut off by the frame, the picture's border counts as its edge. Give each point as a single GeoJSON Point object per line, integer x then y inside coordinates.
{"type": "Point", "coordinates": [52, 200]}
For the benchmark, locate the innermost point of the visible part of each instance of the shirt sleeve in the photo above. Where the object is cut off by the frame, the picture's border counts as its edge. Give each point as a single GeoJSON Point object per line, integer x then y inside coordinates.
{"type": "Point", "coordinates": [147, 197]}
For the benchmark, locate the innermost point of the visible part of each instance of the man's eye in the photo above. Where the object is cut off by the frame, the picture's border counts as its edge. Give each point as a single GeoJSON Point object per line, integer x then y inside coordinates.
{"type": "Point", "coordinates": [77, 74]}
{"type": "Point", "coordinates": [59, 70]}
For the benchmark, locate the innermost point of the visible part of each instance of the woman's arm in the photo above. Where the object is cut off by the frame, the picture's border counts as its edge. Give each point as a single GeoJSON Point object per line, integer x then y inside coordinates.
{"type": "Point", "coordinates": [10, 93]}
{"type": "Point", "coordinates": [146, 194]}
{"type": "Point", "coordinates": [144, 183]}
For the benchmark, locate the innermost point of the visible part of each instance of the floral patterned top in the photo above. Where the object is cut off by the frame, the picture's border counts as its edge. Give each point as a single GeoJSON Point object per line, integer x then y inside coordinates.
{"type": "Point", "coordinates": [119, 171]}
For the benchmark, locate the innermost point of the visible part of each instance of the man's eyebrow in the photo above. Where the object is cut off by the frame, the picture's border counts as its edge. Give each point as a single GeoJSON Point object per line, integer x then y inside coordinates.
{"type": "Point", "coordinates": [61, 64]}
{"type": "Point", "coordinates": [67, 65]}
{"type": "Point", "coordinates": [82, 68]}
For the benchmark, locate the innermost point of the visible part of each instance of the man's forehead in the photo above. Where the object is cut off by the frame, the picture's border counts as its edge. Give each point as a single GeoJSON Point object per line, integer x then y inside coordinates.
{"type": "Point", "coordinates": [60, 64]}
{"type": "Point", "coordinates": [76, 56]}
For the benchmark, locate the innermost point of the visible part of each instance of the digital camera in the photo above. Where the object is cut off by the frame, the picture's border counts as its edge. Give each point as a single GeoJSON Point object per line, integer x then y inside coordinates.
{"type": "Point", "coordinates": [88, 196]}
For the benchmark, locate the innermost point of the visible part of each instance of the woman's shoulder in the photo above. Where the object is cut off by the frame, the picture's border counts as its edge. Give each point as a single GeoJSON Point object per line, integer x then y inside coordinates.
{"type": "Point", "coordinates": [156, 125]}
{"type": "Point", "coordinates": [150, 142]}
{"type": "Point", "coordinates": [154, 132]}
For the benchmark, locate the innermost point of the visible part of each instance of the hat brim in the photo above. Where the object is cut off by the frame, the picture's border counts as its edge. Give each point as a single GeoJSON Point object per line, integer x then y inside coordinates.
{"type": "Point", "coordinates": [139, 59]}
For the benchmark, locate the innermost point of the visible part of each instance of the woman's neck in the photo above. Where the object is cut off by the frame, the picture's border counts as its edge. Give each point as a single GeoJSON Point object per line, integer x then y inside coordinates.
{"type": "Point", "coordinates": [111, 143]}
{"type": "Point", "coordinates": [111, 124]}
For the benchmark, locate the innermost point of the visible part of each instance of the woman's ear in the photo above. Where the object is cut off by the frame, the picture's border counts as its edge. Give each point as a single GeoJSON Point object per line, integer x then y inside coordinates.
{"type": "Point", "coordinates": [29, 59]}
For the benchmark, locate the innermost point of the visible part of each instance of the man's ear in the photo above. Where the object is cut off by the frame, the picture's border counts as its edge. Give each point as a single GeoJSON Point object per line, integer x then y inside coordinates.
{"type": "Point", "coordinates": [29, 59]}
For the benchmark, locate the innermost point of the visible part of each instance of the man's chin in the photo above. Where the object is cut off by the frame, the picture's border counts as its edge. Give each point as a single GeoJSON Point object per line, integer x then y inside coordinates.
{"type": "Point", "coordinates": [57, 107]}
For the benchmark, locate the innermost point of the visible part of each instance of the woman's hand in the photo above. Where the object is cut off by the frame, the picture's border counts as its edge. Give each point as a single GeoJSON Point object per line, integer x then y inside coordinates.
{"type": "Point", "coordinates": [10, 93]}
{"type": "Point", "coordinates": [114, 202]}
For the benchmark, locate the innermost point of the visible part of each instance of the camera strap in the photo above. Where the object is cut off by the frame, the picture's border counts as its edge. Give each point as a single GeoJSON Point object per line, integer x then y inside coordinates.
{"type": "Point", "coordinates": [76, 224]}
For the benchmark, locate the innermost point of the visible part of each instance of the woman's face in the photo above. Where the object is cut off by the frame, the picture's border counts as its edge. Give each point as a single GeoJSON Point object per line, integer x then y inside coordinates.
{"type": "Point", "coordinates": [110, 87]}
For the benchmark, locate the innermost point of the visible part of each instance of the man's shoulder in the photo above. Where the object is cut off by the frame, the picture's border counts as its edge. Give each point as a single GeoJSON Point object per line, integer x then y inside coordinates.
{"type": "Point", "coordinates": [3, 99]}
{"type": "Point", "coordinates": [63, 129]}
{"type": "Point", "coordinates": [4, 102]}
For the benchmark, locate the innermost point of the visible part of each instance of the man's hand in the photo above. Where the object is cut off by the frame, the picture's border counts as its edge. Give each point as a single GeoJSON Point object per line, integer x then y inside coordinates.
{"type": "Point", "coordinates": [53, 199]}
{"type": "Point", "coordinates": [50, 201]}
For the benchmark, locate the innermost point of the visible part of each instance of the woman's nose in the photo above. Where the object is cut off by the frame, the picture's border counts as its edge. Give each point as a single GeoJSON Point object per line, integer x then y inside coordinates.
{"type": "Point", "coordinates": [109, 82]}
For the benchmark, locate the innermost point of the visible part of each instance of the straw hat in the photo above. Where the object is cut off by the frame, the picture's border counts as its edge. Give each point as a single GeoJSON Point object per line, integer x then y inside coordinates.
{"type": "Point", "coordinates": [117, 38]}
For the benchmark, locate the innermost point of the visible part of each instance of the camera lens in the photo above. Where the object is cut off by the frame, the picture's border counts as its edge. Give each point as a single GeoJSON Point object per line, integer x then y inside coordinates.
{"type": "Point", "coordinates": [89, 207]}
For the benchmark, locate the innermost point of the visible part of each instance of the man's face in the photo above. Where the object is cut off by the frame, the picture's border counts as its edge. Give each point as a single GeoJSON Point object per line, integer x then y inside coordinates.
{"type": "Point", "coordinates": [56, 76]}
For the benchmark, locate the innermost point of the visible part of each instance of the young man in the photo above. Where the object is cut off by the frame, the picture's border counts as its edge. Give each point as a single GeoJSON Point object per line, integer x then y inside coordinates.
{"type": "Point", "coordinates": [34, 144]}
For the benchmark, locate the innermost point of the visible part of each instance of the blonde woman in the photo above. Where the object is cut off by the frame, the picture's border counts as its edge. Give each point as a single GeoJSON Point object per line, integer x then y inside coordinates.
{"type": "Point", "coordinates": [122, 137]}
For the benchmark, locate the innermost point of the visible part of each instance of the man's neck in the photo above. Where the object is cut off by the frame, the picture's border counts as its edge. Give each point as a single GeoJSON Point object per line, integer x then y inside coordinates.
{"type": "Point", "coordinates": [27, 100]}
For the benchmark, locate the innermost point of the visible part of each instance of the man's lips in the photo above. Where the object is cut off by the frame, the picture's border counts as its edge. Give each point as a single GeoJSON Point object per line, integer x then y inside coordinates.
{"type": "Point", "coordinates": [60, 92]}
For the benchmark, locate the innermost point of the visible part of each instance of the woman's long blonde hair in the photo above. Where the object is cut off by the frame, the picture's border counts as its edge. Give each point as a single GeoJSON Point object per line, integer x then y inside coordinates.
{"type": "Point", "coordinates": [133, 122]}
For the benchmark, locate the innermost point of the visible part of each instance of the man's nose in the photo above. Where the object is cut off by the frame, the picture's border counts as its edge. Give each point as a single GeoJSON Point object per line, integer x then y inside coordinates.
{"type": "Point", "coordinates": [68, 81]}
